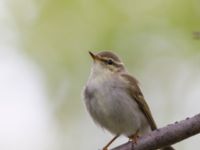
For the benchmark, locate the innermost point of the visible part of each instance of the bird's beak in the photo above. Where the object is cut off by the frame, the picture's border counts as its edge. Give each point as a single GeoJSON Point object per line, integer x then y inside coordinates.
{"type": "Point", "coordinates": [94, 57]}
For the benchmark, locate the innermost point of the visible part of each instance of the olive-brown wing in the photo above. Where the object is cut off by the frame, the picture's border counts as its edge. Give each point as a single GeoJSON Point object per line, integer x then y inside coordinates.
{"type": "Point", "coordinates": [137, 95]}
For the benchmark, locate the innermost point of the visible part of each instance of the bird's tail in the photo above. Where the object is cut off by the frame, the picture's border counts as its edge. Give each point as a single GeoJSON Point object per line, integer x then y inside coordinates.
{"type": "Point", "coordinates": [168, 148]}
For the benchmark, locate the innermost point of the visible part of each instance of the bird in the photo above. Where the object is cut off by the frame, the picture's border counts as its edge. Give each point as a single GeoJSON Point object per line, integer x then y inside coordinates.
{"type": "Point", "coordinates": [115, 101]}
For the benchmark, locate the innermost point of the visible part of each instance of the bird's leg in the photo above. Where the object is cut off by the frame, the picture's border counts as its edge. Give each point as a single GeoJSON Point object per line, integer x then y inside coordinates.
{"type": "Point", "coordinates": [109, 143]}
{"type": "Point", "coordinates": [134, 137]}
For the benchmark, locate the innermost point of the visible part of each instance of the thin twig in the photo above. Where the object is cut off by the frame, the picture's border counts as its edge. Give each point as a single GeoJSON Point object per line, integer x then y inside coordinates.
{"type": "Point", "coordinates": [165, 136]}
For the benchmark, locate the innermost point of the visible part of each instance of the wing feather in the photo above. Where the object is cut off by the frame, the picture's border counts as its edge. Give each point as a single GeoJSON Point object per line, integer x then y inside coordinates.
{"type": "Point", "coordinates": [137, 95]}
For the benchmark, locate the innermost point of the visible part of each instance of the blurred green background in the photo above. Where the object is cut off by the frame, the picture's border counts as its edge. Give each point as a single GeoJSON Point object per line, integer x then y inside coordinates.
{"type": "Point", "coordinates": [44, 64]}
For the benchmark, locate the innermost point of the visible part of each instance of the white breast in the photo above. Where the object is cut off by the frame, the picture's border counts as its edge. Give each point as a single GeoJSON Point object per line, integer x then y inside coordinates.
{"type": "Point", "coordinates": [112, 107]}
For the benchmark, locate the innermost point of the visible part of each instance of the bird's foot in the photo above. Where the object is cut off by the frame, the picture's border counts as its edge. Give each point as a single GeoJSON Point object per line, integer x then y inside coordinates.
{"type": "Point", "coordinates": [134, 138]}
{"type": "Point", "coordinates": [109, 143]}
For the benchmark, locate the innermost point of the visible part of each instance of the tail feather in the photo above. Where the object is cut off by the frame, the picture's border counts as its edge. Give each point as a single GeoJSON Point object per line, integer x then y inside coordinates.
{"type": "Point", "coordinates": [168, 148]}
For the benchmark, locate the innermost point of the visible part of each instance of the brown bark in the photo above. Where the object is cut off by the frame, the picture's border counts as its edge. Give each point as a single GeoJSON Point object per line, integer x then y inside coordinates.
{"type": "Point", "coordinates": [165, 136]}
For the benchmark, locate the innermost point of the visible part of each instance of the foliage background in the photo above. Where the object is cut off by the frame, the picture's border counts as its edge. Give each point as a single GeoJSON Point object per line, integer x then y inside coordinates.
{"type": "Point", "coordinates": [44, 64]}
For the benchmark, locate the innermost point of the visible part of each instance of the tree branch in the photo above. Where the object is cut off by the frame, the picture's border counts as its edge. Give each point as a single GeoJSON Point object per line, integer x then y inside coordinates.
{"type": "Point", "coordinates": [165, 136]}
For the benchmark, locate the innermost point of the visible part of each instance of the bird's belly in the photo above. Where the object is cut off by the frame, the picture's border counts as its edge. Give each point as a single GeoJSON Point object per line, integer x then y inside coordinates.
{"type": "Point", "coordinates": [116, 111]}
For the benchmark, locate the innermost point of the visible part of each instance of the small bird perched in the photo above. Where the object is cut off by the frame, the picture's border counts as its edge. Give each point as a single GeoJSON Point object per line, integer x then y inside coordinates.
{"type": "Point", "coordinates": [114, 99]}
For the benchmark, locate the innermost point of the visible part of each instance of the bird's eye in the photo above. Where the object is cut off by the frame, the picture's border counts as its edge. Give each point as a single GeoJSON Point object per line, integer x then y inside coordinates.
{"type": "Point", "coordinates": [110, 62]}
